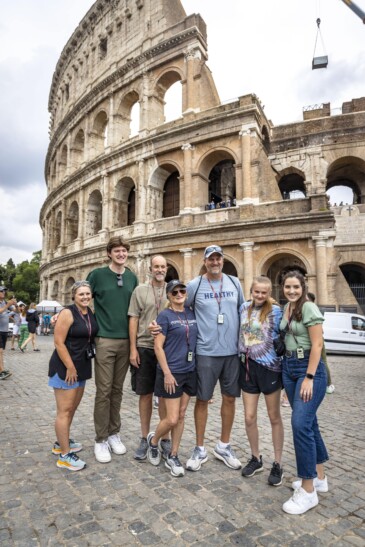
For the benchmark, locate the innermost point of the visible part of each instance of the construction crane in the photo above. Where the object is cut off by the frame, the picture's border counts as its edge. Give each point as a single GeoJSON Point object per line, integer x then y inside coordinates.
{"type": "Point", "coordinates": [355, 9]}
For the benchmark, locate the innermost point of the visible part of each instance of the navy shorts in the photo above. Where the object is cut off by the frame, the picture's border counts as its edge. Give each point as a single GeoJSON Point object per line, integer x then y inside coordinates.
{"type": "Point", "coordinates": [3, 339]}
{"type": "Point", "coordinates": [256, 378]}
{"type": "Point", "coordinates": [186, 383]}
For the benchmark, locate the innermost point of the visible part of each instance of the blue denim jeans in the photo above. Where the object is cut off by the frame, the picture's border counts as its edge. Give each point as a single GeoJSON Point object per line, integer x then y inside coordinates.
{"type": "Point", "coordinates": [308, 443]}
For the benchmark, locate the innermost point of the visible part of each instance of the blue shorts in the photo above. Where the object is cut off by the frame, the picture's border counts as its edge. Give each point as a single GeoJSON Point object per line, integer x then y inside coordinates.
{"type": "Point", "coordinates": [56, 382]}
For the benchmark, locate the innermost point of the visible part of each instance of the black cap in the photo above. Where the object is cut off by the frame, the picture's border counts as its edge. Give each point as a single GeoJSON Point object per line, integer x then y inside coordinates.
{"type": "Point", "coordinates": [171, 285]}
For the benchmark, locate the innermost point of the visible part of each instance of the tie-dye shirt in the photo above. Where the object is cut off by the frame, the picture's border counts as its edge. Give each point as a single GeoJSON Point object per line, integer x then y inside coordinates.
{"type": "Point", "coordinates": [257, 338]}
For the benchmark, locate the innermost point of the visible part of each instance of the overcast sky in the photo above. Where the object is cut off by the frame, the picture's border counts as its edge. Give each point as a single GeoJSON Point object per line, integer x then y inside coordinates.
{"type": "Point", "coordinates": [263, 47]}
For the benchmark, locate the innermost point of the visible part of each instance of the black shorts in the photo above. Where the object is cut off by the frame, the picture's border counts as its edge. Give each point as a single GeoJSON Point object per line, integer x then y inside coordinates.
{"type": "Point", "coordinates": [32, 327]}
{"type": "Point", "coordinates": [256, 378]}
{"type": "Point", "coordinates": [3, 339]}
{"type": "Point", "coordinates": [143, 378]}
{"type": "Point", "coordinates": [186, 383]}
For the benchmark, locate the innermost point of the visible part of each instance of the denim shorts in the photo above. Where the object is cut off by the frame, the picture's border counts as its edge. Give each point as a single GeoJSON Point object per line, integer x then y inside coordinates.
{"type": "Point", "coordinates": [57, 383]}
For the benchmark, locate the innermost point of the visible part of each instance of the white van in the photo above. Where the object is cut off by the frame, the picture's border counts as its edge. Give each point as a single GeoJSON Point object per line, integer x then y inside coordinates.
{"type": "Point", "coordinates": [344, 333]}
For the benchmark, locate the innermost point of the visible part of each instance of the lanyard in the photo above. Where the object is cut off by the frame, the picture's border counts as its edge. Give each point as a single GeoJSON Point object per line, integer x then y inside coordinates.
{"type": "Point", "coordinates": [185, 324]}
{"type": "Point", "coordinates": [88, 323]}
{"type": "Point", "coordinates": [218, 299]}
{"type": "Point", "coordinates": [158, 301]}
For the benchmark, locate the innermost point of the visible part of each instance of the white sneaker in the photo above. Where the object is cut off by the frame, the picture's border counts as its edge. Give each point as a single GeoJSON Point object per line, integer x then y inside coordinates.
{"type": "Point", "coordinates": [330, 389]}
{"type": "Point", "coordinates": [321, 485]}
{"type": "Point", "coordinates": [102, 452]}
{"type": "Point", "coordinates": [300, 502]}
{"type": "Point", "coordinates": [196, 460]}
{"type": "Point", "coordinates": [227, 456]}
{"type": "Point", "coordinates": [116, 444]}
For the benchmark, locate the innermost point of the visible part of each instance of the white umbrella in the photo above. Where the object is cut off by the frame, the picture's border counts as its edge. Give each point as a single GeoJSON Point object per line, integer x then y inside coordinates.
{"type": "Point", "coordinates": [49, 306]}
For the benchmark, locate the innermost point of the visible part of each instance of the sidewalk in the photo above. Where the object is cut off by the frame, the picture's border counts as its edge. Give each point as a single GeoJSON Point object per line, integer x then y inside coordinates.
{"type": "Point", "coordinates": [130, 503]}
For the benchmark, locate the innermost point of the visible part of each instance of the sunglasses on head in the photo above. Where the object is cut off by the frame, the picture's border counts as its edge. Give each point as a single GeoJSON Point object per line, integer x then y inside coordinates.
{"type": "Point", "coordinates": [119, 280]}
{"type": "Point", "coordinates": [175, 292]}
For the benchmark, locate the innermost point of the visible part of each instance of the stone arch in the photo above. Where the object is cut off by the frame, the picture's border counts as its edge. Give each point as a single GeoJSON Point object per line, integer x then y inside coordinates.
{"type": "Point", "coordinates": [123, 207]}
{"type": "Point", "coordinates": [276, 265]}
{"type": "Point", "coordinates": [291, 182]}
{"type": "Point", "coordinates": [67, 292]}
{"type": "Point", "coordinates": [125, 119]}
{"type": "Point", "coordinates": [58, 230]}
{"type": "Point", "coordinates": [55, 290]}
{"type": "Point", "coordinates": [348, 172]}
{"type": "Point", "coordinates": [165, 172]}
{"type": "Point", "coordinates": [217, 170]}
{"type": "Point", "coordinates": [78, 149]}
{"type": "Point", "coordinates": [99, 133]}
{"type": "Point", "coordinates": [72, 223]}
{"type": "Point", "coordinates": [167, 79]}
{"type": "Point", "coordinates": [62, 164]}
{"type": "Point", "coordinates": [171, 196]}
{"type": "Point", "coordinates": [172, 272]}
{"type": "Point", "coordinates": [94, 215]}
{"type": "Point", "coordinates": [354, 273]}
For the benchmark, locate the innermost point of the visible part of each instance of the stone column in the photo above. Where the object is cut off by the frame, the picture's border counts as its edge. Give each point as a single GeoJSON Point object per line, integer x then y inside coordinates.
{"type": "Point", "coordinates": [247, 248]}
{"type": "Point", "coordinates": [190, 91]}
{"type": "Point", "coordinates": [111, 140]}
{"type": "Point", "coordinates": [186, 180]}
{"type": "Point", "coordinates": [63, 225]}
{"type": "Point", "coordinates": [141, 200]}
{"type": "Point", "coordinates": [243, 189]}
{"type": "Point", "coordinates": [105, 225]}
{"type": "Point", "coordinates": [187, 264]}
{"type": "Point", "coordinates": [82, 217]}
{"type": "Point", "coordinates": [321, 269]}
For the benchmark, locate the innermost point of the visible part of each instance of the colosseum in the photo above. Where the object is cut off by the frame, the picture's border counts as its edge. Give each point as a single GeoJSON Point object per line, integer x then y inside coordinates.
{"type": "Point", "coordinates": [219, 173]}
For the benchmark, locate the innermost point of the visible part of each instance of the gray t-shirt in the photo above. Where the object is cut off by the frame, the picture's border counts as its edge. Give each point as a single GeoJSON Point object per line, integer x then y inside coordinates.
{"type": "Point", "coordinates": [212, 299]}
{"type": "Point", "coordinates": [4, 317]}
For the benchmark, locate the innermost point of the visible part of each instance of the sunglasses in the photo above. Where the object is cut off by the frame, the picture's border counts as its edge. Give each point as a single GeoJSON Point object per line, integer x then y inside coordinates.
{"type": "Point", "coordinates": [177, 291]}
{"type": "Point", "coordinates": [119, 280]}
{"type": "Point", "coordinates": [213, 249]}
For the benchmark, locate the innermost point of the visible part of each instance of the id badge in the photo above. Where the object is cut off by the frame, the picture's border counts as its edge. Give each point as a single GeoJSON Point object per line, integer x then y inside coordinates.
{"type": "Point", "coordinates": [220, 318]}
{"type": "Point", "coordinates": [300, 353]}
{"type": "Point", "coordinates": [190, 356]}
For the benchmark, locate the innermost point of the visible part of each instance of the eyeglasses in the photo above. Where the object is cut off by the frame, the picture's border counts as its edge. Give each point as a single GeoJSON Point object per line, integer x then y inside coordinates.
{"type": "Point", "coordinates": [120, 280]}
{"type": "Point", "coordinates": [213, 249]}
{"type": "Point", "coordinates": [78, 284]}
{"type": "Point", "coordinates": [177, 291]}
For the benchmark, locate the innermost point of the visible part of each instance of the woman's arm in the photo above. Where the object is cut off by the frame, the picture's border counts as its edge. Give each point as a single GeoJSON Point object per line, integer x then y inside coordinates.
{"type": "Point", "coordinates": [62, 327]}
{"type": "Point", "coordinates": [169, 381]}
{"type": "Point", "coordinates": [316, 337]}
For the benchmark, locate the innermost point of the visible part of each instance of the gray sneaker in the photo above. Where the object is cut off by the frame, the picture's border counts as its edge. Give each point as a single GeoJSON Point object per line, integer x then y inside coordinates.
{"type": "Point", "coordinates": [176, 469]}
{"type": "Point", "coordinates": [4, 374]}
{"type": "Point", "coordinates": [153, 452]}
{"type": "Point", "coordinates": [165, 448]}
{"type": "Point", "coordinates": [196, 460]}
{"type": "Point", "coordinates": [141, 452]}
{"type": "Point", "coordinates": [227, 456]}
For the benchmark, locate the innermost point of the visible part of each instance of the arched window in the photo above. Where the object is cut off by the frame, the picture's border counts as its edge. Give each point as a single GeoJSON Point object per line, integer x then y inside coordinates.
{"type": "Point", "coordinates": [171, 197]}
{"type": "Point", "coordinates": [173, 102]}
{"type": "Point", "coordinates": [292, 186]}
{"type": "Point", "coordinates": [171, 273]}
{"type": "Point", "coordinates": [124, 203]}
{"type": "Point", "coordinates": [72, 223]}
{"type": "Point", "coordinates": [94, 213]}
{"type": "Point", "coordinates": [222, 183]}
{"type": "Point", "coordinates": [62, 163]}
{"type": "Point", "coordinates": [99, 136]}
{"type": "Point", "coordinates": [78, 149]}
{"type": "Point", "coordinates": [58, 229]}
{"type": "Point", "coordinates": [131, 207]}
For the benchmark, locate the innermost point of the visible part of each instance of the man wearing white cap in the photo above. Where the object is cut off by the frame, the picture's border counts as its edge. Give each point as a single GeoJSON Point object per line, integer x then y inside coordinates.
{"type": "Point", "coordinates": [216, 298]}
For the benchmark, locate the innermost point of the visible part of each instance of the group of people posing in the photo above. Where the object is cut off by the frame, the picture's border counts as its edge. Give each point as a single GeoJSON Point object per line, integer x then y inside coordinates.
{"type": "Point", "coordinates": [179, 341]}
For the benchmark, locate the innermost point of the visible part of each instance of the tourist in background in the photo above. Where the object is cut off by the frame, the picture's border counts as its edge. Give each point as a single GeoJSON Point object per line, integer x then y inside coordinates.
{"type": "Point", "coordinates": [33, 322]}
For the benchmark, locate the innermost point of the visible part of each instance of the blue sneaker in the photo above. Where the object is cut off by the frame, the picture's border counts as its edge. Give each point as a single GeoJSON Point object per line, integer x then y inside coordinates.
{"type": "Point", "coordinates": [71, 462]}
{"type": "Point", "coordinates": [74, 447]}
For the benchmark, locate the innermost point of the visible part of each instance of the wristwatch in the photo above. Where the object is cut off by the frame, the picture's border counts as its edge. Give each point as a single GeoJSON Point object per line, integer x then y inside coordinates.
{"type": "Point", "coordinates": [310, 376]}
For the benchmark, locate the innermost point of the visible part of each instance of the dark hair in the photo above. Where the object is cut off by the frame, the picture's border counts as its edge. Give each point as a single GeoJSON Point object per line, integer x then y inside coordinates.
{"type": "Point", "coordinates": [297, 314]}
{"type": "Point", "coordinates": [116, 241]}
{"type": "Point", "coordinates": [311, 296]}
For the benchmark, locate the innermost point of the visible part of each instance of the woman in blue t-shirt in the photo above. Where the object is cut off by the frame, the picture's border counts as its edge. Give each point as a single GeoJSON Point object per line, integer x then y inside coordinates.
{"type": "Point", "coordinates": [176, 375]}
{"type": "Point", "coordinates": [261, 373]}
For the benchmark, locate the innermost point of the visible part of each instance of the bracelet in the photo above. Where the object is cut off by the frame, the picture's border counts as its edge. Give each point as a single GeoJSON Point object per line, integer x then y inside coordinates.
{"type": "Point", "coordinates": [309, 376]}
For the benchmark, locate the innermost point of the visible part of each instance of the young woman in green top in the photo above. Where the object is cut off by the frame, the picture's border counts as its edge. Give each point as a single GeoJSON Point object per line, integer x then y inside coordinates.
{"type": "Point", "coordinates": [305, 381]}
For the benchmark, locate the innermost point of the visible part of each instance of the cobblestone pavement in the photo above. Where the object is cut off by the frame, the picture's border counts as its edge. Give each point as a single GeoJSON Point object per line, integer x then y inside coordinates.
{"type": "Point", "coordinates": [130, 503]}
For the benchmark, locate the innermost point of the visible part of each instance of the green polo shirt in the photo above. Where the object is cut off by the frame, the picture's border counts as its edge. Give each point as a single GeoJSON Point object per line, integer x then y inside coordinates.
{"type": "Point", "coordinates": [310, 316]}
{"type": "Point", "coordinates": [111, 302]}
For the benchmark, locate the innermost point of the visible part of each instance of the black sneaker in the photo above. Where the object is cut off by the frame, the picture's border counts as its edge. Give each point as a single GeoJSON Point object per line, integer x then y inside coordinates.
{"type": "Point", "coordinates": [276, 475]}
{"type": "Point", "coordinates": [253, 466]}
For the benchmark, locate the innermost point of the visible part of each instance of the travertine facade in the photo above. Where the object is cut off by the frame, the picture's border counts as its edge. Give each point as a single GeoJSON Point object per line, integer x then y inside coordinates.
{"type": "Point", "coordinates": [153, 187]}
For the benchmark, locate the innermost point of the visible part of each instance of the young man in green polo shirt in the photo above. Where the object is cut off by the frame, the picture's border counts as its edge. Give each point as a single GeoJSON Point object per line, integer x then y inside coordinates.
{"type": "Point", "coordinates": [112, 287]}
